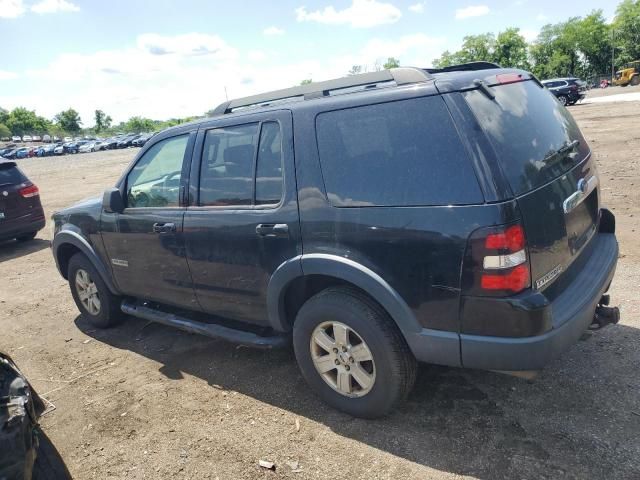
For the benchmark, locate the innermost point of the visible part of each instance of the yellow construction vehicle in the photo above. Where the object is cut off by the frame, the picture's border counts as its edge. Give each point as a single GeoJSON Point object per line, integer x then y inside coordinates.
{"type": "Point", "coordinates": [629, 75]}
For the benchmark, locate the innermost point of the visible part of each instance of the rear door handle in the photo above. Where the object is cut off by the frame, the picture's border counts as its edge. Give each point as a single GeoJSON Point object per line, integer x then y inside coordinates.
{"type": "Point", "coordinates": [164, 227]}
{"type": "Point", "coordinates": [272, 230]}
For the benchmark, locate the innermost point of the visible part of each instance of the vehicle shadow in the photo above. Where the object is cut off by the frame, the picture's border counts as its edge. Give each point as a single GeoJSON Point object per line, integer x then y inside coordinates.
{"type": "Point", "coordinates": [466, 422]}
{"type": "Point", "coordinates": [11, 249]}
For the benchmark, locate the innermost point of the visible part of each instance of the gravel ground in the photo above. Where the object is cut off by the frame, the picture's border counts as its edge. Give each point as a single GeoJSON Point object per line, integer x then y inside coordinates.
{"type": "Point", "coordinates": [145, 401]}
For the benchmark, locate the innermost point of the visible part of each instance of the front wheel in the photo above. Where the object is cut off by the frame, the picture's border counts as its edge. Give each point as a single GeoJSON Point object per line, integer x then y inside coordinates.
{"type": "Point", "coordinates": [92, 296]}
{"type": "Point", "coordinates": [563, 100]}
{"type": "Point", "coordinates": [352, 354]}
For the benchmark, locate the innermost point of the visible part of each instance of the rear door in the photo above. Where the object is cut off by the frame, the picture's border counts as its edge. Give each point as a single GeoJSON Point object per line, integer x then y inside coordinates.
{"type": "Point", "coordinates": [549, 167]}
{"type": "Point", "coordinates": [243, 219]}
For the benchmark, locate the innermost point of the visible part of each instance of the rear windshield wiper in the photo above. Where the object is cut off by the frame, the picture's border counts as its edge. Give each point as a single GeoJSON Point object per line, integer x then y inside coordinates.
{"type": "Point", "coordinates": [559, 154]}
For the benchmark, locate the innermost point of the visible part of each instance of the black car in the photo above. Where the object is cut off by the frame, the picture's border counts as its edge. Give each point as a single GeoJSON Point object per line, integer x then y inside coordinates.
{"type": "Point", "coordinates": [70, 147]}
{"type": "Point", "coordinates": [21, 214]}
{"type": "Point", "coordinates": [568, 90]}
{"type": "Point", "coordinates": [445, 216]}
{"type": "Point", "coordinates": [127, 141]}
{"type": "Point", "coordinates": [142, 140]}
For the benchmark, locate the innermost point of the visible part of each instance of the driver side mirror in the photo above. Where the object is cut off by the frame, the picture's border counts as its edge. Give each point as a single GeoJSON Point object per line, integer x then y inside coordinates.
{"type": "Point", "coordinates": [112, 201]}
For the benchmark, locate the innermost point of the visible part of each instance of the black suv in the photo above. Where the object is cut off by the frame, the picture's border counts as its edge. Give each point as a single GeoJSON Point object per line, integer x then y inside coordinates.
{"type": "Point", "coordinates": [446, 216]}
{"type": "Point", "coordinates": [568, 90]}
{"type": "Point", "coordinates": [21, 214]}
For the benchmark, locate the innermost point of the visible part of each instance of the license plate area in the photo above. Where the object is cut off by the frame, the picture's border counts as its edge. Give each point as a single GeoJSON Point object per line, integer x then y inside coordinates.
{"type": "Point", "coordinates": [581, 222]}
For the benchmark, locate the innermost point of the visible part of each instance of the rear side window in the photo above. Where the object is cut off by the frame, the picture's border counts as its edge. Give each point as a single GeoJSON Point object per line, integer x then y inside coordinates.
{"type": "Point", "coordinates": [401, 153]}
{"type": "Point", "coordinates": [11, 175]}
{"type": "Point", "coordinates": [527, 127]}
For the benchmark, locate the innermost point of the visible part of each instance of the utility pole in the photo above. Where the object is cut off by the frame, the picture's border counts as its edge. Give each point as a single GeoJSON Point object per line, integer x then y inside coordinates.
{"type": "Point", "coordinates": [613, 53]}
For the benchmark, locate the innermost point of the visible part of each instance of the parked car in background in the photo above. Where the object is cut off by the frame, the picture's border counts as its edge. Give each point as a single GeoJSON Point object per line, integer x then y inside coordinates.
{"type": "Point", "coordinates": [46, 138]}
{"type": "Point", "coordinates": [67, 139]}
{"type": "Point", "coordinates": [10, 153]}
{"type": "Point", "coordinates": [22, 152]}
{"type": "Point", "coordinates": [21, 213]}
{"type": "Point", "coordinates": [27, 138]}
{"type": "Point", "coordinates": [567, 90]}
{"type": "Point", "coordinates": [37, 138]}
{"type": "Point", "coordinates": [70, 147]}
{"type": "Point", "coordinates": [142, 139]}
{"type": "Point", "coordinates": [109, 143]}
{"type": "Point", "coordinates": [45, 150]}
{"type": "Point", "coordinates": [59, 149]}
{"type": "Point", "coordinates": [87, 147]}
{"type": "Point", "coordinates": [56, 139]}
{"type": "Point", "coordinates": [16, 138]}
{"type": "Point", "coordinates": [125, 142]}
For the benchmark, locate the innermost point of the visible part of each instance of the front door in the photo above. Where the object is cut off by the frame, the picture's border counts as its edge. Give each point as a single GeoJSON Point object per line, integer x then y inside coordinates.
{"type": "Point", "coordinates": [145, 242]}
{"type": "Point", "coordinates": [243, 221]}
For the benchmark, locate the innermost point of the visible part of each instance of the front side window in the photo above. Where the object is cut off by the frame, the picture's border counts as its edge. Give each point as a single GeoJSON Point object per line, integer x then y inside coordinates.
{"type": "Point", "coordinates": [226, 177]}
{"type": "Point", "coordinates": [155, 179]}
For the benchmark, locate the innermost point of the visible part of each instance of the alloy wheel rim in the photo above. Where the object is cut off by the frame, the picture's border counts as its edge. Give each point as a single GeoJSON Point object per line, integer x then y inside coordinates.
{"type": "Point", "coordinates": [343, 359]}
{"type": "Point", "coordinates": [87, 292]}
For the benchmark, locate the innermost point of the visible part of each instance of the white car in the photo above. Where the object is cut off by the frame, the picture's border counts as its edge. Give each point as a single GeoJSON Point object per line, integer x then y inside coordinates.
{"type": "Point", "coordinates": [87, 147]}
{"type": "Point", "coordinates": [67, 139]}
{"type": "Point", "coordinates": [16, 138]}
{"type": "Point", "coordinates": [37, 138]}
{"type": "Point", "coordinates": [59, 150]}
{"type": "Point", "coordinates": [27, 138]}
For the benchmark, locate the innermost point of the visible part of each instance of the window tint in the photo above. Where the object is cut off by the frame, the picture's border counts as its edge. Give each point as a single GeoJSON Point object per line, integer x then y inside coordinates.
{"type": "Point", "coordinates": [527, 128]}
{"type": "Point", "coordinates": [155, 180]}
{"type": "Point", "coordinates": [269, 168]}
{"type": "Point", "coordinates": [395, 154]}
{"type": "Point", "coordinates": [11, 175]}
{"type": "Point", "coordinates": [226, 176]}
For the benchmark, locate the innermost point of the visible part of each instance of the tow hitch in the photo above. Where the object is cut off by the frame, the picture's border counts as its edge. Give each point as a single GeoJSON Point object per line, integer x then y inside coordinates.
{"type": "Point", "coordinates": [604, 315]}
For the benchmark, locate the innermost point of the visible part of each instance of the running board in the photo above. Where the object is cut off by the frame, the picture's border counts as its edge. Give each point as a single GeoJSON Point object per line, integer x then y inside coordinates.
{"type": "Point", "coordinates": [242, 337]}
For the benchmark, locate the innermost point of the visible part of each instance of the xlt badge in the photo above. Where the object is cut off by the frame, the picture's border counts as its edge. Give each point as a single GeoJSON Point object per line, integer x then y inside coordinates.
{"type": "Point", "coordinates": [549, 276]}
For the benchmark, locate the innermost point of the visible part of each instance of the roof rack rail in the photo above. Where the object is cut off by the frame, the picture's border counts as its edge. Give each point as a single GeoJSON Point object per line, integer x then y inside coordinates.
{"type": "Point", "coordinates": [465, 67]}
{"type": "Point", "coordinates": [401, 76]}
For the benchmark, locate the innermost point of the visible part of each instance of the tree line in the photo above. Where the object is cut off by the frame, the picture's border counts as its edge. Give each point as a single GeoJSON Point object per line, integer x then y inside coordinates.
{"type": "Point", "coordinates": [586, 47]}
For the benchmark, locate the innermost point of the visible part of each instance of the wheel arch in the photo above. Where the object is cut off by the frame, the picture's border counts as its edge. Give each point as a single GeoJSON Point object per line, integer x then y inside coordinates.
{"type": "Point", "coordinates": [66, 243]}
{"type": "Point", "coordinates": [298, 279]}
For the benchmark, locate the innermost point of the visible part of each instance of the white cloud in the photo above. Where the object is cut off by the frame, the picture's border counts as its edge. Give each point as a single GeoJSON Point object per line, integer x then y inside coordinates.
{"type": "Point", "coordinates": [417, 7]}
{"type": "Point", "coordinates": [11, 8]}
{"type": "Point", "coordinates": [361, 14]}
{"type": "Point", "coordinates": [53, 6]}
{"type": "Point", "coordinates": [471, 11]}
{"type": "Point", "coordinates": [190, 44]}
{"type": "Point", "coordinates": [273, 30]}
{"type": "Point", "coordinates": [6, 75]}
{"type": "Point", "coordinates": [256, 55]}
{"type": "Point", "coordinates": [541, 17]}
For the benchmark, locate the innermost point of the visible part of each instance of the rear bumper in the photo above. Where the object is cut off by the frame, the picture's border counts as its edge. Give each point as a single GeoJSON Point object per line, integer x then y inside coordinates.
{"type": "Point", "coordinates": [14, 227]}
{"type": "Point", "coordinates": [571, 313]}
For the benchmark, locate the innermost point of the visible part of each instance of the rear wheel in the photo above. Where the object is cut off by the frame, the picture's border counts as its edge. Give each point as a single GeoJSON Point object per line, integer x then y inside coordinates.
{"type": "Point", "coordinates": [563, 100]}
{"type": "Point", "coordinates": [635, 80]}
{"type": "Point", "coordinates": [92, 296]}
{"type": "Point", "coordinates": [27, 237]}
{"type": "Point", "coordinates": [352, 354]}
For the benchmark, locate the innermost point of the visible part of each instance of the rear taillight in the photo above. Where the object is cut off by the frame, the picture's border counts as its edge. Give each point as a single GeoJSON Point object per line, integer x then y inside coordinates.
{"type": "Point", "coordinates": [29, 191]}
{"type": "Point", "coordinates": [496, 262]}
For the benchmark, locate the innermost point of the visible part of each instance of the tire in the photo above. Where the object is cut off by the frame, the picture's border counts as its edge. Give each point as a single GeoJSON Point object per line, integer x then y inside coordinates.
{"type": "Point", "coordinates": [106, 311]}
{"type": "Point", "coordinates": [49, 464]}
{"type": "Point", "coordinates": [392, 369]}
{"type": "Point", "coordinates": [27, 237]}
{"type": "Point", "coordinates": [635, 80]}
{"type": "Point", "coordinates": [563, 100]}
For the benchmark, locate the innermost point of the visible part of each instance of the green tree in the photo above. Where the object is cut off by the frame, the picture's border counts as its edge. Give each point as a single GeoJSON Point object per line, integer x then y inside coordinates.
{"type": "Point", "coordinates": [69, 120]}
{"type": "Point", "coordinates": [103, 121]}
{"type": "Point", "coordinates": [4, 114]}
{"type": "Point", "coordinates": [25, 122]}
{"type": "Point", "coordinates": [511, 50]}
{"type": "Point", "coordinates": [391, 62]}
{"type": "Point", "coordinates": [306, 81]}
{"type": "Point", "coordinates": [626, 31]}
{"type": "Point", "coordinates": [475, 48]}
{"type": "Point", "coordinates": [4, 131]}
{"type": "Point", "coordinates": [139, 124]}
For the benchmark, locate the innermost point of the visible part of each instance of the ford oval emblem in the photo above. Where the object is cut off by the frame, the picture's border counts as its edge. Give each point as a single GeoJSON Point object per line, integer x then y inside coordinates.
{"type": "Point", "coordinates": [582, 185]}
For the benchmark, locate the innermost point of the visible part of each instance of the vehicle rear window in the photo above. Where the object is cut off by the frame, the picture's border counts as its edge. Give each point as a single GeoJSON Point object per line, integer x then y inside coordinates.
{"type": "Point", "coordinates": [400, 153]}
{"type": "Point", "coordinates": [11, 175]}
{"type": "Point", "coordinates": [527, 127]}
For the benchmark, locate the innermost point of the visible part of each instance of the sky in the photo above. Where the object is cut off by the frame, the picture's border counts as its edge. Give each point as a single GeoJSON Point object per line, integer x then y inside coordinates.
{"type": "Point", "coordinates": [162, 58]}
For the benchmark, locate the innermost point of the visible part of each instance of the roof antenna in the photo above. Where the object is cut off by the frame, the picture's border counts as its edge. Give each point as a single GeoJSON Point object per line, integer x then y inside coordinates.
{"type": "Point", "coordinates": [225, 94]}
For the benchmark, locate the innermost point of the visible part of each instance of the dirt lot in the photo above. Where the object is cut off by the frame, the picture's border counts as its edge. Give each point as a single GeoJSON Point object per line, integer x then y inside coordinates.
{"type": "Point", "coordinates": [145, 401]}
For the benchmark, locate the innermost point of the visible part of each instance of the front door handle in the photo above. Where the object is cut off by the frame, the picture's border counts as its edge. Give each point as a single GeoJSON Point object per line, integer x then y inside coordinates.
{"type": "Point", "coordinates": [273, 230]}
{"type": "Point", "coordinates": [164, 227]}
